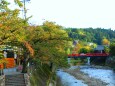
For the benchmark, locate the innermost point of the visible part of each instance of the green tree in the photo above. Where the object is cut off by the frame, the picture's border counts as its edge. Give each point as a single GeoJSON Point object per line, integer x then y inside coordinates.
{"type": "Point", "coordinates": [111, 60]}
{"type": "Point", "coordinates": [49, 42]}
{"type": "Point", "coordinates": [112, 49]}
{"type": "Point", "coordinates": [83, 50]}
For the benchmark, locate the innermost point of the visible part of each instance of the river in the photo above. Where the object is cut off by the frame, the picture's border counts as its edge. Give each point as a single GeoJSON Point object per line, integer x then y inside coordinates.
{"type": "Point", "coordinates": [97, 76]}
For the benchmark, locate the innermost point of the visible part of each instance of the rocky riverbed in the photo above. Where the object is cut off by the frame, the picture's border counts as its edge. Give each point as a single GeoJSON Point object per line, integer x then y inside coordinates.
{"type": "Point", "coordinates": [87, 76]}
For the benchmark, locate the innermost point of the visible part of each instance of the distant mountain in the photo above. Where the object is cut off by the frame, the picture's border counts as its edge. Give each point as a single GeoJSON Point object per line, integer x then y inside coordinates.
{"type": "Point", "coordinates": [90, 34]}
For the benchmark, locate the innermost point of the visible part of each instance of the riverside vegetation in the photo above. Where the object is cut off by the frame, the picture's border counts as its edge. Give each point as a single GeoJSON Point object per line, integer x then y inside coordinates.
{"type": "Point", "coordinates": [45, 47]}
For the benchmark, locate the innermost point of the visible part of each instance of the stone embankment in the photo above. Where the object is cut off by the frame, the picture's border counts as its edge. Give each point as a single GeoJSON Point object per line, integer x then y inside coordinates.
{"type": "Point", "coordinates": [2, 80]}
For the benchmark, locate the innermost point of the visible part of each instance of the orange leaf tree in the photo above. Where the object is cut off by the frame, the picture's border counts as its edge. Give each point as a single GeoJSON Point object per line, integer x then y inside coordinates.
{"type": "Point", "coordinates": [13, 30]}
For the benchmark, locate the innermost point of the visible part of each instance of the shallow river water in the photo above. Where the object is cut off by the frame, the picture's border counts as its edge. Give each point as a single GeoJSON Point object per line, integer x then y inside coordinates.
{"type": "Point", "coordinates": [105, 75]}
{"type": "Point", "coordinates": [68, 80]}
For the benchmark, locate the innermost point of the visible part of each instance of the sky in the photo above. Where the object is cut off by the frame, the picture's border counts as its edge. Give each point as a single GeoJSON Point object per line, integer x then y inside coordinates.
{"type": "Point", "coordinates": [73, 13]}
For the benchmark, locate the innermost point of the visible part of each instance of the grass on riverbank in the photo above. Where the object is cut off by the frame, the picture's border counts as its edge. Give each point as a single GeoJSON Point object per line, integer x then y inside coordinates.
{"type": "Point", "coordinates": [39, 75]}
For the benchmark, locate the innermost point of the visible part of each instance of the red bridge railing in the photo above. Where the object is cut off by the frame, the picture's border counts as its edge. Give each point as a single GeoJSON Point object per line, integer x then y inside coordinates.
{"type": "Point", "coordinates": [88, 55]}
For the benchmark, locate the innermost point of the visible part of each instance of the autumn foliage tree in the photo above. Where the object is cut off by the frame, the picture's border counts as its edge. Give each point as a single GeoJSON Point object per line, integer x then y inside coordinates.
{"type": "Point", "coordinates": [105, 41]}
{"type": "Point", "coordinates": [50, 41]}
{"type": "Point", "coordinates": [45, 43]}
{"type": "Point", "coordinates": [13, 30]}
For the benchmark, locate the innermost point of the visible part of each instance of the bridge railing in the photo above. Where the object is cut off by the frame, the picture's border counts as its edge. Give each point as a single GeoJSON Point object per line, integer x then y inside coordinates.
{"type": "Point", "coordinates": [88, 54]}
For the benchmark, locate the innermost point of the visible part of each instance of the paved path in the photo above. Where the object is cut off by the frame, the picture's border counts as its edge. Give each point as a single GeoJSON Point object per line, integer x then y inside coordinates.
{"type": "Point", "coordinates": [15, 80]}
{"type": "Point", "coordinates": [14, 77]}
{"type": "Point", "coordinates": [10, 71]}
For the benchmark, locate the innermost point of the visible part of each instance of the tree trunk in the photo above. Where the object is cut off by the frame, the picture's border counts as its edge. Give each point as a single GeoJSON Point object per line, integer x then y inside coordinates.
{"type": "Point", "coordinates": [24, 70]}
{"type": "Point", "coordinates": [25, 63]}
{"type": "Point", "coordinates": [53, 69]}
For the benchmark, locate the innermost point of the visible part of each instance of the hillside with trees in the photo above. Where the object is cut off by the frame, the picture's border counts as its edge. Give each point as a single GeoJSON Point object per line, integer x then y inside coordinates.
{"type": "Point", "coordinates": [91, 35]}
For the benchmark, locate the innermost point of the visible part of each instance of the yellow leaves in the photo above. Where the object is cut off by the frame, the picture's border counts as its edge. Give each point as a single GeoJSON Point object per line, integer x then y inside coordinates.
{"type": "Point", "coordinates": [60, 48]}
{"type": "Point", "coordinates": [45, 35]}
{"type": "Point", "coordinates": [79, 46]}
{"type": "Point", "coordinates": [49, 30]}
{"type": "Point", "coordinates": [19, 37]}
{"type": "Point", "coordinates": [3, 61]}
{"type": "Point", "coordinates": [105, 41]}
{"type": "Point", "coordinates": [68, 51]}
{"type": "Point", "coordinates": [81, 32]}
{"type": "Point", "coordinates": [15, 12]}
{"type": "Point", "coordinates": [51, 25]}
{"type": "Point", "coordinates": [69, 43]}
{"type": "Point", "coordinates": [87, 47]}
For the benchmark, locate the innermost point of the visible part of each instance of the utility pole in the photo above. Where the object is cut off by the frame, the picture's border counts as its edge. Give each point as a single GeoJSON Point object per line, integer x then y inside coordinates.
{"type": "Point", "coordinates": [24, 8]}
